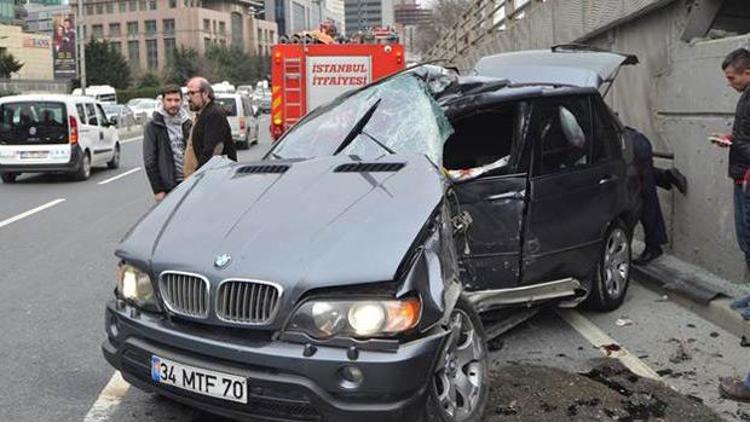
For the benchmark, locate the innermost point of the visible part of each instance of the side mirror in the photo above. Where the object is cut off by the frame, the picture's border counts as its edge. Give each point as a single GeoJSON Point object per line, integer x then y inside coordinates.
{"type": "Point", "coordinates": [113, 121]}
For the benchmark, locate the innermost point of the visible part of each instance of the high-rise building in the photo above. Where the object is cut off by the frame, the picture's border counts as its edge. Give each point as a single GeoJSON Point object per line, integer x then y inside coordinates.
{"type": "Point", "coordinates": [146, 32]}
{"type": "Point", "coordinates": [292, 16]}
{"type": "Point", "coordinates": [334, 11]}
{"type": "Point", "coordinates": [410, 13]}
{"type": "Point", "coordinates": [360, 15]}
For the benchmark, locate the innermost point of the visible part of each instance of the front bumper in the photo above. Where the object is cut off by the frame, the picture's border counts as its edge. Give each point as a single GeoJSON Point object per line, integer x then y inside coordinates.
{"type": "Point", "coordinates": [284, 384]}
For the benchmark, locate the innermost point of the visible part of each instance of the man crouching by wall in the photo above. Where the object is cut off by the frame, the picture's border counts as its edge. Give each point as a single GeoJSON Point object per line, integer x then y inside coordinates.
{"type": "Point", "coordinates": [164, 140]}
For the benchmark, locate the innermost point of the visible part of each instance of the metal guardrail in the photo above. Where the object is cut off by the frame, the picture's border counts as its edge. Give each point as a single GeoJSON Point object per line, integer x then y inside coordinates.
{"type": "Point", "coordinates": [493, 26]}
{"type": "Point", "coordinates": [484, 18]}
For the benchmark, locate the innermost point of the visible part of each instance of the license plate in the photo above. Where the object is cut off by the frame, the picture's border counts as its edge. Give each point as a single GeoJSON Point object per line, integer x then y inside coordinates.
{"type": "Point", "coordinates": [199, 380]}
{"type": "Point", "coordinates": [34, 154]}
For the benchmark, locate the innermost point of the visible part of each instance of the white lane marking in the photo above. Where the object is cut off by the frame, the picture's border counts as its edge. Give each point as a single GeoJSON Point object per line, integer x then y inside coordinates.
{"type": "Point", "coordinates": [31, 212]}
{"type": "Point", "coordinates": [601, 340]}
{"type": "Point", "coordinates": [108, 399]}
{"type": "Point", "coordinates": [112, 179]}
{"type": "Point", "coordinates": [129, 140]}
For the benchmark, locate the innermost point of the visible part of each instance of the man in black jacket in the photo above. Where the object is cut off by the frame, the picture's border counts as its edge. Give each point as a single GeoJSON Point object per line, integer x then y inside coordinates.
{"type": "Point", "coordinates": [211, 134]}
{"type": "Point", "coordinates": [164, 140]}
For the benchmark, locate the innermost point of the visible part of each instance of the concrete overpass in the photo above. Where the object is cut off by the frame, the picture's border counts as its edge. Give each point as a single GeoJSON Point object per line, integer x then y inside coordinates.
{"type": "Point", "coordinates": [677, 95]}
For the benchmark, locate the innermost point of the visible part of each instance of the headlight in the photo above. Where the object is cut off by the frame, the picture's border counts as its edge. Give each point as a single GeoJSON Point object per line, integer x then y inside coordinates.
{"type": "Point", "coordinates": [134, 285]}
{"type": "Point", "coordinates": [356, 318]}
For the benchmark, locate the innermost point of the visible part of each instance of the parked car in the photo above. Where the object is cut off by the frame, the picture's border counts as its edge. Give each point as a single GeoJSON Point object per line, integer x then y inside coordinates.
{"type": "Point", "coordinates": [347, 280]}
{"type": "Point", "coordinates": [242, 118]}
{"type": "Point", "coordinates": [143, 108]}
{"type": "Point", "coordinates": [55, 134]}
{"type": "Point", "coordinates": [119, 114]}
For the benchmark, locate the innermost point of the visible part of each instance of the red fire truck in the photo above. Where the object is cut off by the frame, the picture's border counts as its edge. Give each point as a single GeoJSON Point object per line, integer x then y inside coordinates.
{"type": "Point", "coordinates": [304, 76]}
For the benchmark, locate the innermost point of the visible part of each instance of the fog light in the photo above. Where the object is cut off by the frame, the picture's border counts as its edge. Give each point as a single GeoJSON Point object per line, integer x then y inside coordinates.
{"type": "Point", "coordinates": [351, 377]}
{"type": "Point", "coordinates": [114, 329]}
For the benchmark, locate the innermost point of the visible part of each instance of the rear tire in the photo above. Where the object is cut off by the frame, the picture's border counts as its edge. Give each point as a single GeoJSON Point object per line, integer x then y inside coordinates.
{"type": "Point", "coordinates": [612, 277]}
{"type": "Point", "coordinates": [84, 168]}
{"type": "Point", "coordinates": [114, 163]}
{"type": "Point", "coordinates": [9, 177]}
{"type": "Point", "coordinates": [460, 384]}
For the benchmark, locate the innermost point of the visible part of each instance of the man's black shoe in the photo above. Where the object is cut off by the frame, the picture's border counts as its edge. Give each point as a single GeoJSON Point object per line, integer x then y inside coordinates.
{"type": "Point", "coordinates": [677, 179]}
{"type": "Point", "coordinates": [647, 256]}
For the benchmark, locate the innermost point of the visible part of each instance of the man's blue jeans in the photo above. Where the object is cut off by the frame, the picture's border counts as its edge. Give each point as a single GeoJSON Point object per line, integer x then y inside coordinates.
{"type": "Point", "coordinates": [747, 381]}
{"type": "Point", "coordinates": [742, 220]}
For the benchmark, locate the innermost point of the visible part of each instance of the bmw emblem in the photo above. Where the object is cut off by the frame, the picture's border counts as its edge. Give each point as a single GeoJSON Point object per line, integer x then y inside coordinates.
{"type": "Point", "coordinates": [222, 260]}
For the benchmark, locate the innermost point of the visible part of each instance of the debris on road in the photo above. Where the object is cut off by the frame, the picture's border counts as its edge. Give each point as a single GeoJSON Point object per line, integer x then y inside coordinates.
{"type": "Point", "coordinates": [609, 392]}
{"type": "Point", "coordinates": [745, 342]}
{"type": "Point", "coordinates": [681, 354]}
{"type": "Point", "coordinates": [624, 322]}
{"type": "Point", "coordinates": [609, 349]}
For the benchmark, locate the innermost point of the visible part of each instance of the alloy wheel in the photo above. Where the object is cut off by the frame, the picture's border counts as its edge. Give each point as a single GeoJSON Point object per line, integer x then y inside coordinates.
{"type": "Point", "coordinates": [616, 262]}
{"type": "Point", "coordinates": [458, 380]}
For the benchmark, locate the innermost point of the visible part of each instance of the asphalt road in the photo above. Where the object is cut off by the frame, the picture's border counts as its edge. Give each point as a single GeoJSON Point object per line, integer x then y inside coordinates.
{"type": "Point", "coordinates": [57, 271]}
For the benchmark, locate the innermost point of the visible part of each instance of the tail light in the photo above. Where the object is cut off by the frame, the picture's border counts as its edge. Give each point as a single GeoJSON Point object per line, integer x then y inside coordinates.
{"type": "Point", "coordinates": [73, 123]}
{"type": "Point", "coordinates": [242, 124]}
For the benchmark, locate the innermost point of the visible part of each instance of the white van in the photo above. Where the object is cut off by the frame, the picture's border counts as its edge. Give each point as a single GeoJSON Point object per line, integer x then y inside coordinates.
{"type": "Point", "coordinates": [103, 93]}
{"type": "Point", "coordinates": [55, 134]}
{"type": "Point", "coordinates": [242, 117]}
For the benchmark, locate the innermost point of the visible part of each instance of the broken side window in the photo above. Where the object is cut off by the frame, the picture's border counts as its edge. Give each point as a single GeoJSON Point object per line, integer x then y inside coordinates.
{"type": "Point", "coordinates": [489, 141]}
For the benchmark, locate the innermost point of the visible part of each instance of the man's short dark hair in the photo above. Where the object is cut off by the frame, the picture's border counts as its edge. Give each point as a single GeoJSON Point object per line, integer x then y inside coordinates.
{"type": "Point", "coordinates": [739, 59]}
{"type": "Point", "coordinates": [171, 89]}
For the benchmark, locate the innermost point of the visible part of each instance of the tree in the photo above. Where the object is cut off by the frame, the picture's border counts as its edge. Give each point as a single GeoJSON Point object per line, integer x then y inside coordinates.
{"type": "Point", "coordinates": [106, 66]}
{"type": "Point", "coordinates": [149, 80]}
{"type": "Point", "coordinates": [183, 66]}
{"type": "Point", "coordinates": [8, 64]}
{"type": "Point", "coordinates": [445, 15]}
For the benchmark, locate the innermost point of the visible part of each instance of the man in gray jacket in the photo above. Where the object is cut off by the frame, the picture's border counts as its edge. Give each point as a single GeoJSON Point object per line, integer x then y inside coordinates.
{"type": "Point", "coordinates": [164, 140]}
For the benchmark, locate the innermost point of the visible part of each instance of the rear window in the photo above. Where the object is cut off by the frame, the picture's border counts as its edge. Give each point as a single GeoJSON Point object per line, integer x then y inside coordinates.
{"type": "Point", "coordinates": [229, 105]}
{"type": "Point", "coordinates": [33, 123]}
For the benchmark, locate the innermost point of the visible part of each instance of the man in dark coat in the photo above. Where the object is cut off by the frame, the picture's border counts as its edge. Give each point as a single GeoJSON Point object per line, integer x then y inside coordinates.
{"type": "Point", "coordinates": [736, 67]}
{"type": "Point", "coordinates": [211, 132]}
{"type": "Point", "coordinates": [164, 140]}
{"type": "Point", "coordinates": [652, 219]}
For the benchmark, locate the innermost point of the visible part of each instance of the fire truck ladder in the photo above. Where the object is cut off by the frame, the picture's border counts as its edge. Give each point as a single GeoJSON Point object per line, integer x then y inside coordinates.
{"type": "Point", "coordinates": [293, 86]}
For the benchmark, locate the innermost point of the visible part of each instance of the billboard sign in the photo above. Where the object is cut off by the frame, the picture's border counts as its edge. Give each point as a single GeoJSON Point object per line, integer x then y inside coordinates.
{"type": "Point", "coordinates": [64, 46]}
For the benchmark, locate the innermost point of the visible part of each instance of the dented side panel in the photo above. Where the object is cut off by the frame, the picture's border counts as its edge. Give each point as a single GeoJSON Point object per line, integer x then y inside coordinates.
{"type": "Point", "coordinates": [491, 254]}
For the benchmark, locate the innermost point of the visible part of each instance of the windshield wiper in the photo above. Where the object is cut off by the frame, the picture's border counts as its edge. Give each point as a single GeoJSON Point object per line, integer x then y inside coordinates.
{"type": "Point", "coordinates": [382, 145]}
{"type": "Point", "coordinates": [358, 127]}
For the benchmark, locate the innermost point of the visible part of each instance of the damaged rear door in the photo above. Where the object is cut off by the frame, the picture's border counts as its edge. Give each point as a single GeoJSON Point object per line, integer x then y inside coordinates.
{"type": "Point", "coordinates": [487, 158]}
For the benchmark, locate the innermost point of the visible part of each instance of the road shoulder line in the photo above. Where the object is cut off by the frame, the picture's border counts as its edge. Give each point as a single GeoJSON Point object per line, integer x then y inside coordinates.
{"type": "Point", "coordinates": [108, 399]}
{"type": "Point", "coordinates": [601, 340]}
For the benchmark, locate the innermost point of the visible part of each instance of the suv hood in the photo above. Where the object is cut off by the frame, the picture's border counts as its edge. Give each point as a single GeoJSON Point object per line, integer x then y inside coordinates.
{"type": "Point", "coordinates": [559, 66]}
{"type": "Point", "coordinates": [301, 224]}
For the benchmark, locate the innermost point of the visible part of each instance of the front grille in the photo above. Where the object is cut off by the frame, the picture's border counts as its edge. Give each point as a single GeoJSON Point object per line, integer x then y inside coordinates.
{"type": "Point", "coordinates": [185, 294]}
{"type": "Point", "coordinates": [247, 302]}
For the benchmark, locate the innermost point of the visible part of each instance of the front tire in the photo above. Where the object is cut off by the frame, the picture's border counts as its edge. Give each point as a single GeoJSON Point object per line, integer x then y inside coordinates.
{"type": "Point", "coordinates": [612, 276]}
{"type": "Point", "coordinates": [459, 387]}
{"type": "Point", "coordinates": [9, 177]}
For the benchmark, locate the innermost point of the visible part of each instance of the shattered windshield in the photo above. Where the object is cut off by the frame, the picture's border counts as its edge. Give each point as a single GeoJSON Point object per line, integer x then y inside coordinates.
{"type": "Point", "coordinates": [401, 117]}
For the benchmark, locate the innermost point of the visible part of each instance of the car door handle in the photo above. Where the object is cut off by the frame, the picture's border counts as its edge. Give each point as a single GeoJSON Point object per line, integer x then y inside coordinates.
{"type": "Point", "coordinates": [607, 179]}
{"type": "Point", "coordinates": [507, 195]}
{"type": "Point", "coordinates": [101, 136]}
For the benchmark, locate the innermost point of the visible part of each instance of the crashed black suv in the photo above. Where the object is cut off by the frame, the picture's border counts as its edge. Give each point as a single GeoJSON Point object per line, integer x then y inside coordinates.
{"type": "Point", "coordinates": [343, 277]}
